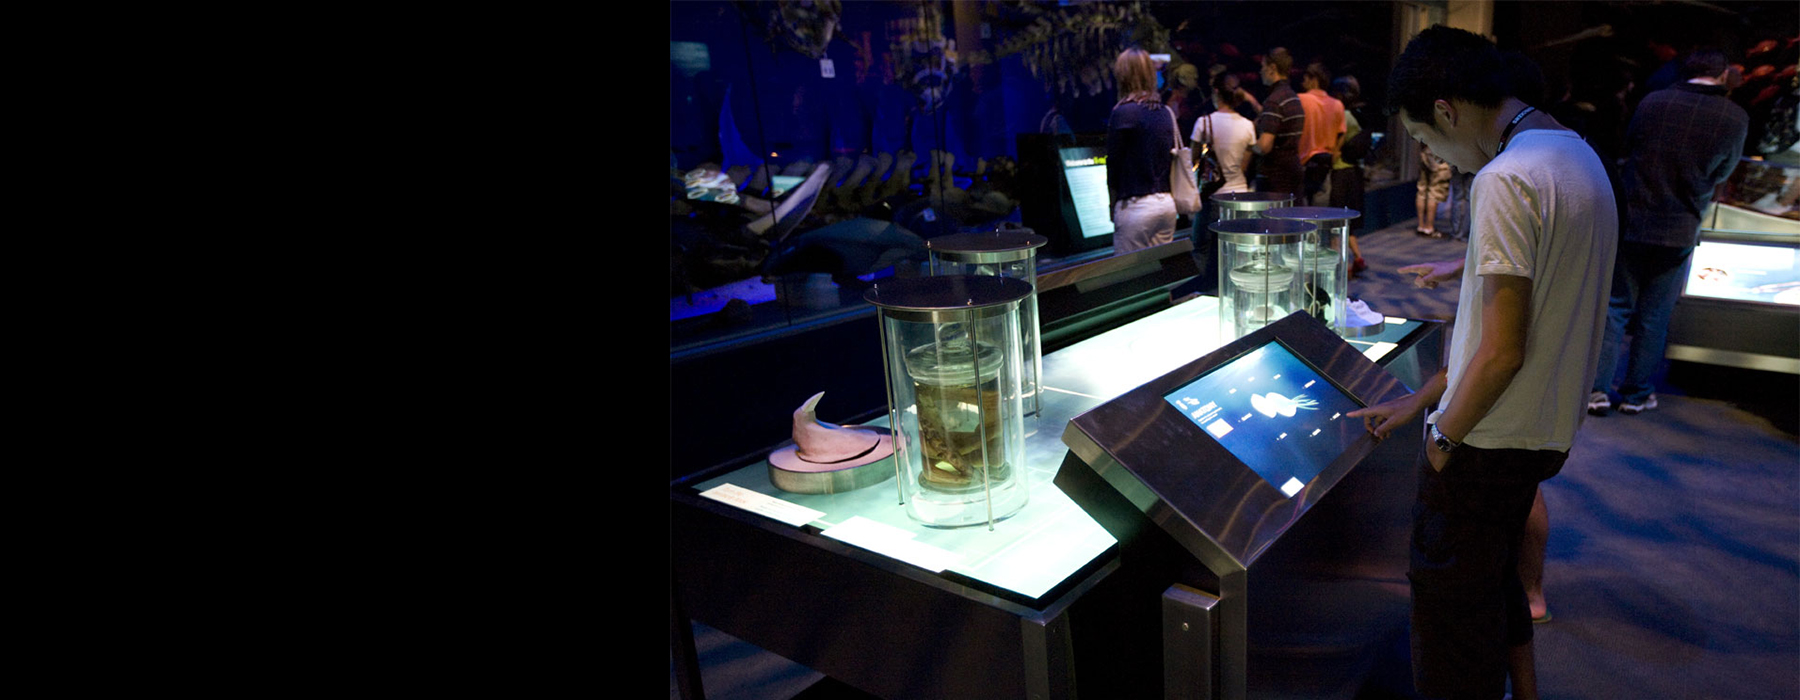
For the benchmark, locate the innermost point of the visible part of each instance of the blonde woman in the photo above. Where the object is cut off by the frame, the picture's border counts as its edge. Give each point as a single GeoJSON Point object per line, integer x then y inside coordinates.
{"type": "Point", "coordinates": [1140, 138]}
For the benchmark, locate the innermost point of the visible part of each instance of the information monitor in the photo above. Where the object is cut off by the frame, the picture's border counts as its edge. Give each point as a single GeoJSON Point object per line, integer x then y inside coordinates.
{"type": "Point", "coordinates": [1084, 168]}
{"type": "Point", "coordinates": [1273, 411]}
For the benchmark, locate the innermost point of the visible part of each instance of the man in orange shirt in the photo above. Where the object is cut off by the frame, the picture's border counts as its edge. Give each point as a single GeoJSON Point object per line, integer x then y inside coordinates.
{"type": "Point", "coordinates": [1325, 126]}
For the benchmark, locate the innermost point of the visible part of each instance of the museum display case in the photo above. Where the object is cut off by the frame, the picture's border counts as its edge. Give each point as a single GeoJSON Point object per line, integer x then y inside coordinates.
{"type": "Point", "coordinates": [1249, 205]}
{"type": "Point", "coordinates": [1740, 301]}
{"type": "Point", "coordinates": [818, 578]}
{"type": "Point", "coordinates": [1325, 264]}
{"type": "Point", "coordinates": [1262, 272]}
{"type": "Point", "coordinates": [954, 355]}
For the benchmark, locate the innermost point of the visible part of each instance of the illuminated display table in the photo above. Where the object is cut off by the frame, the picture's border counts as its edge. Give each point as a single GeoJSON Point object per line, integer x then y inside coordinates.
{"type": "Point", "coordinates": [1740, 303]}
{"type": "Point", "coordinates": [996, 622]}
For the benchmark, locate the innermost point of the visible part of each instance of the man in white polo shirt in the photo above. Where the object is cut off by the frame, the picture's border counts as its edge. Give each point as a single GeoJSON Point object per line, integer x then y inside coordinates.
{"type": "Point", "coordinates": [1522, 355]}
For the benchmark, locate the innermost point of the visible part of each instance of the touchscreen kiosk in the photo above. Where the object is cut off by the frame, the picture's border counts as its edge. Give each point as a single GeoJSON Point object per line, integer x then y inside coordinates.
{"type": "Point", "coordinates": [1274, 412]}
{"type": "Point", "coordinates": [1213, 463]}
{"type": "Point", "coordinates": [1241, 441]}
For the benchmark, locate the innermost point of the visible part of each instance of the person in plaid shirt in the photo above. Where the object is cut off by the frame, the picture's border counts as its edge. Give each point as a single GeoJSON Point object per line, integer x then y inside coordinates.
{"type": "Point", "coordinates": [1684, 141]}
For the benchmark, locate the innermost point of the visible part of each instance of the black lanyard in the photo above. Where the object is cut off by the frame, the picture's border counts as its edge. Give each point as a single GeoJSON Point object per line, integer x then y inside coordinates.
{"type": "Point", "coordinates": [1504, 135]}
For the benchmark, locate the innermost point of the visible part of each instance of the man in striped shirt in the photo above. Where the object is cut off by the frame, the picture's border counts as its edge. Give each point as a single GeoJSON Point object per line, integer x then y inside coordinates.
{"type": "Point", "coordinates": [1279, 127]}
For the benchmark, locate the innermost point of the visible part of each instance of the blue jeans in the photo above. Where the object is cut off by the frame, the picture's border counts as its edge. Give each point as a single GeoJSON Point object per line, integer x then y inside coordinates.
{"type": "Point", "coordinates": [1646, 284]}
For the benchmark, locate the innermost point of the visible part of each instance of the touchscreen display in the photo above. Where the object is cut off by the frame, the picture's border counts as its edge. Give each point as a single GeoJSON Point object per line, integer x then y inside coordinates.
{"type": "Point", "coordinates": [1085, 169]}
{"type": "Point", "coordinates": [1274, 412]}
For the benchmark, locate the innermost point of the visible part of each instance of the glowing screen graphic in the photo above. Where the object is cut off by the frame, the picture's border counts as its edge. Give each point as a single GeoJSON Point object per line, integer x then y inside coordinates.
{"type": "Point", "coordinates": [1274, 413]}
{"type": "Point", "coordinates": [1085, 169]}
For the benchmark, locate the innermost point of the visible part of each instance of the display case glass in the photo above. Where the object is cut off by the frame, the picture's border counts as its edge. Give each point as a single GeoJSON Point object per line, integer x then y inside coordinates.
{"type": "Point", "coordinates": [1006, 253]}
{"type": "Point", "coordinates": [1759, 272]}
{"type": "Point", "coordinates": [954, 356]}
{"type": "Point", "coordinates": [1740, 301]}
{"type": "Point", "coordinates": [1324, 261]}
{"type": "Point", "coordinates": [1761, 196]}
{"type": "Point", "coordinates": [1249, 205]}
{"type": "Point", "coordinates": [1750, 238]}
{"type": "Point", "coordinates": [1262, 272]}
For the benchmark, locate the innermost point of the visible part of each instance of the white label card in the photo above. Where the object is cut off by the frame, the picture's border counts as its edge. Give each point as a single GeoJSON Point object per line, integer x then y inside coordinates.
{"type": "Point", "coordinates": [761, 504]}
{"type": "Point", "coordinates": [826, 69]}
{"type": "Point", "coordinates": [1379, 350]}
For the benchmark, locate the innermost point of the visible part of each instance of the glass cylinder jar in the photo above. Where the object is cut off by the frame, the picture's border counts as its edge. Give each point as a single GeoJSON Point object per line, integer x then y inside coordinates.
{"type": "Point", "coordinates": [1260, 265]}
{"type": "Point", "coordinates": [1249, 205]}
{"type": "Point", "coordinates": [953, 350]}
{"type": "Point", "coordinates": [1009, 253]}
{"type": "Point", "coordinates": [1324, 260]}
{"type": "Point", "coordinates": [1232, 206]}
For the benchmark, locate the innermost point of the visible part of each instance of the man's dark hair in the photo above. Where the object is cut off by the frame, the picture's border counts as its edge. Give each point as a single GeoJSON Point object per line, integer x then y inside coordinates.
{"type": "Point", "coordinates": [1443, 63]}
{"type": "Point", "coordinates": [1317, 72]}
{"type": "Point", "coordinates": [1704, 63]}
{"type": "Point", "coordinates": [1284, 61]}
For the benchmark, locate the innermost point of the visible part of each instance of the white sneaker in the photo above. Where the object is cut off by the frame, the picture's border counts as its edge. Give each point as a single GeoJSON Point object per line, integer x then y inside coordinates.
{"type": "Point", "coordinates": [1632, 409]}
{"type": "Point", "coordinates": [1599, 404]}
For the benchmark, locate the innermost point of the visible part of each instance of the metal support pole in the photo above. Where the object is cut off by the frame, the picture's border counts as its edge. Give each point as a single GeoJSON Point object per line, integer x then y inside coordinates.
{"type": "Point", "coordinates": [1189, 633]}
{"type": "Point", "coordinates": [1049, 658]}
{"type": "Point", "coordinates": [1234, 644]}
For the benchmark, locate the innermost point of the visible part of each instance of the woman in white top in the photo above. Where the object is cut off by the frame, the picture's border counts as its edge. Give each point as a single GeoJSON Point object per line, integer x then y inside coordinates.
{"type": "Point", "coordinates": [1231, 134]}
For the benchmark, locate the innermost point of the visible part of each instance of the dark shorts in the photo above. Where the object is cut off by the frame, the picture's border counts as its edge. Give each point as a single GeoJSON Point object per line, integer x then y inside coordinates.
{"type": "Point", "coordinates": [1469, 606]}
{"type": "Point", "coordinates": [1281, 173]}
{"type": "Point", "coordinates": [1315, 171]}
{"type": "Point", "coordinates": [1347, 192]}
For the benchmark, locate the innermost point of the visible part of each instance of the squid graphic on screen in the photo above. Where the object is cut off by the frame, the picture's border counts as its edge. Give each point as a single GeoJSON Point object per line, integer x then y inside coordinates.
{"type": "Point", "coordinates": [1272, 403]}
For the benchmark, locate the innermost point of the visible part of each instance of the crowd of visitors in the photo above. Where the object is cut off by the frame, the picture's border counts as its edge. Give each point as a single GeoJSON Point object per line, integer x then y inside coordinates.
{"type": "Point", "coordinates": [1309, 143]}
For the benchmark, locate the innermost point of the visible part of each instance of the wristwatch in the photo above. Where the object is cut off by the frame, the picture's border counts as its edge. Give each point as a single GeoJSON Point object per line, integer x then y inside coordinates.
{"type": "Point", "coordinates": [1443, 442]}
